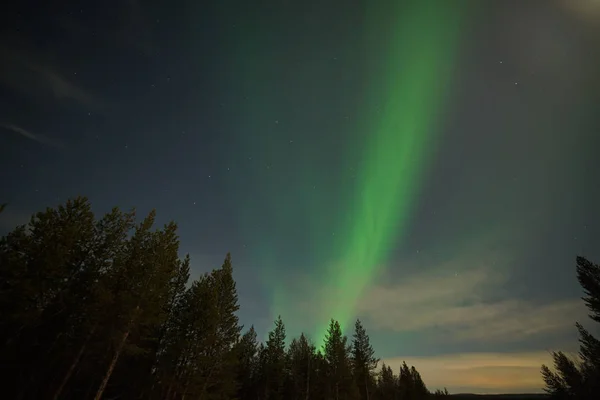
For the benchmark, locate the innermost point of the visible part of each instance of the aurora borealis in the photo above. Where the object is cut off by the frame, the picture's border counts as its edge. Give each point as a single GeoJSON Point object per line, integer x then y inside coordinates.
{"type": "Point", "coordinates": [406, 85]}
{"type": "Point", "coordinates": [426, 166]}
{"type": "Point", "coordinates": [407, 100]}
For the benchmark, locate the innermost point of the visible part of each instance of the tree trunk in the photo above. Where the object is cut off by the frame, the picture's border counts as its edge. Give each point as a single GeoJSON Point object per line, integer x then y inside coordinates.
{"type": "Point", "coordinates": [169, 389]}
{"type": "Point", "coordinates": [115, 358]}
{"type": "Point", "coordinates": [308, 378]}
{"type": "Point", "coordinates": [205, 386]}
{"type": "Point", "coordinates": [73, 364]}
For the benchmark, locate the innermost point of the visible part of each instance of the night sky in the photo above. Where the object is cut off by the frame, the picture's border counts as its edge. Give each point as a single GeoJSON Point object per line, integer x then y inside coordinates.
{"type": "Point", "coordinates": [427, 166]}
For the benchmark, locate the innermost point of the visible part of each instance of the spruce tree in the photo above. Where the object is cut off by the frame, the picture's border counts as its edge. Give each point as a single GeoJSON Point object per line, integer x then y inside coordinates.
{"type": "Point", "coordinates": [572, 381]}
{"type": "Point", "coordinates": [141, 291]}
{"type": "Point", "coordinates": [301, 359]}
{"type": "Point", "coordinates": [420, 391]}
{"type": "Point", "coordinates": [364, 361]}
{"type": "Point", "coordinates": [341, 384]}
{"type": "Point", "coordinates": [101, 308]}
{"type": "Point", "coordinates": [405, 382]}
{"type": "Point", "coordinates": [275, 362]}
{"type": "Point", "coordinates": [247, 352]}
{"type": "Point", "coordinates": [387, 384]}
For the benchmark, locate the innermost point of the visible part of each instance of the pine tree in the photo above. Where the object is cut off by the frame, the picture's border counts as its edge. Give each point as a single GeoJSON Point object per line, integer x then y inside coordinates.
{"type": "Point", "coordinates": [405, 382]}
{"type": "Point", "coordinates": [364, 361]}
{"type": "Point", "coordinates": [101, 308]}
{"type": "Point", "coordinates": [420, 391]}
{"type": "Point", "coordinates": [441, 393]}
{"type": "Point", "coordinates": [275, 362]}
{"type": "Point", "coordinates": [206, 333]}
{"type": "Point", "coordinates": [572, 381]}
{"type": "Point", "coordinates": [227, 334]}
{"type": "Point", "coordinates": [247, 352]}
{"type": "Point", "coordinates": [387, 384]}
{"type": "Point", "coordinates": [339, 369]}
{"type": "Point", "coordinates": [90, 295]}
{"type": "Point", "coordinates": [49, 292]}
{"type": "Point", "coordinates": [302, 368]}
{"type": "Point", "coordinates": [142, 293]}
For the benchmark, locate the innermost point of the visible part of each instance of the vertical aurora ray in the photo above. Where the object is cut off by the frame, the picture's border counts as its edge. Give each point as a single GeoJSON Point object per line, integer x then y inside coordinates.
{"type": "Point", "coordinates": [404, 105]}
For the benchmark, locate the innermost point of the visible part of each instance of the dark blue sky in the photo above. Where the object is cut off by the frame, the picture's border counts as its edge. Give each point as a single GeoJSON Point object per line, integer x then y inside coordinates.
{"type": "Point", "coordinates": [223, 116]}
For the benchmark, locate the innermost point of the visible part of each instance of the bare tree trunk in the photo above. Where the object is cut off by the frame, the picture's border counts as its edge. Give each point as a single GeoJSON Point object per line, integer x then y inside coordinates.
{"type": "Point", "coordinates": [366, 387]}
{"type": "Point", "coordinates": [111, 366]}
{"type": "Point", "coordinates": [308, 378]}
{"type": "Point", "coordinates": [205, 386]}
{"type": "Point", "coordinates": [185, 389]}
{"type": "Point", "coordinates": [115, 358]}
{"type": "Point", "coordinates": [73, 364]}
{"type": "Point", "coordinates": [168, 395]}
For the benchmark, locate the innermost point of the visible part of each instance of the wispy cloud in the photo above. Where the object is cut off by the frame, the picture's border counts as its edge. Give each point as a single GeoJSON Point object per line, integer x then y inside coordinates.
{"type": "Point", "coordinates": [24, 70]}
{"type": "Point", "coordinates": [60, 86]}
{"type": "Point", "coordinates": [29, 135]}
{"type": "Point", "coordinates": [463, 306]}
{"type": "Point", "coordinates": [480, 372]}
{"type": "Point", "coordinates": [461, 299]}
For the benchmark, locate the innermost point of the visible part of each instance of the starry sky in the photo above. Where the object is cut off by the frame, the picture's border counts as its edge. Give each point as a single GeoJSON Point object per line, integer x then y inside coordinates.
{"type": "Point", "coordinates": [427, 166]}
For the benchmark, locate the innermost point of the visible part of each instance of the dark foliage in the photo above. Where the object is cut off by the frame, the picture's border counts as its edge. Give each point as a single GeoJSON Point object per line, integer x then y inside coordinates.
{"type": "Point", "coordinates": [579, 379]}
{"type": "Point", "coordinates": [103, 309]}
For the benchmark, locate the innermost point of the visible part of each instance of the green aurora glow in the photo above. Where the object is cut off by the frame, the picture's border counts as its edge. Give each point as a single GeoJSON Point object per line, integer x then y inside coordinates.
{"type": "Point", "coordinates": [410, 48]}
{"type": "Point", "coordinates": [410, 94]}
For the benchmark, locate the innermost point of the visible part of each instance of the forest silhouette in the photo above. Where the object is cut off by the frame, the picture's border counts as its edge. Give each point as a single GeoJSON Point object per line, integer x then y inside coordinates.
{"type": "Point", "coordinates": [103, 308]}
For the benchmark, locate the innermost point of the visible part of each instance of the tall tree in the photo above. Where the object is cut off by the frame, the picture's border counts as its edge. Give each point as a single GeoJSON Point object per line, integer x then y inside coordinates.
{"type": "Point", "coordinates": [50, 271]}
{"type": "Point", "coordinates": [405, 382]}
{"type": "Point", "coordinates": [572, 381]}
{"type": "Point", "coordinates": [102, 308]}
{"type": "Point", "coordinates": [142, 279]}
{"type": "Point", "coordinates": [387, 384]}
{"type": "Point", "coordinates": [247, 352]}
{"type": "Point", "coordinates": [339, 369]}
{"type": "Point", "coordinates": [275, 362]}
{"type": "Point", "coordinates": [364, 361]}
{"type": "Point", "coordinates": [208, 331]}
{"type": "Point", "coordinates": [420, 391]}
{"type": "Point", "coordinates": [302, 368]}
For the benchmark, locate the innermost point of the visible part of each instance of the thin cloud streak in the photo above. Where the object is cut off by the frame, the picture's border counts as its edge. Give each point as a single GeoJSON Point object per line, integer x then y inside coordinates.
{"type": "Point", "coordinates": [29, 135]}
{"type": "Point", "coordinates": [61, 87]}
{"type": "Point", "coordinates": [25, 71]}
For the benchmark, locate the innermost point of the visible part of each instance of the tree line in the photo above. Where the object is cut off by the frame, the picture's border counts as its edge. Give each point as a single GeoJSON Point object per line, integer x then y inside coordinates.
{"type": "Point", "coordinates": [104, 309]}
